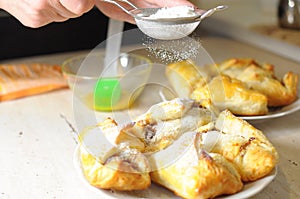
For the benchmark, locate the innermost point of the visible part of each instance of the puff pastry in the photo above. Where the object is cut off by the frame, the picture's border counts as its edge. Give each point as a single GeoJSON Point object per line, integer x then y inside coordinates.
{"type": "Point", "coordinates": [165, 122]}
{"type": "Point", "coordinates": [185, 76]}
{"type": "Point", "coordinates": [198, 174]}
{"type": "Point", "coordinates": [261, 78]}
{"type": "Point", "coordinates": [244, 145]}
{"type": "Point", "coordinates": [225, 92]}
{"type": "Point", "coordinates": [191, 168]}
{"type": "Point", "coordinates": [243, 86]}
{"type": "Point", "coordinates": [124, 167]}
{"type": "Point", "coordinates": [119, 172]}
{"type": "Point", "coordinates": [232, 94]}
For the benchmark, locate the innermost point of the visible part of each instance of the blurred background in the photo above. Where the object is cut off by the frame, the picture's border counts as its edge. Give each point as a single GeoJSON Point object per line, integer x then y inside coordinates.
{"type": "Point", "coordinates": [254, 22]}
{"type": "Point", "coordinates": [81, 33]}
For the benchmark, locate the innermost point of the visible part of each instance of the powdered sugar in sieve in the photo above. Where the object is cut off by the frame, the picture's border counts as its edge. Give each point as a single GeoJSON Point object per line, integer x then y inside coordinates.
{"type": "Point", "coordinates": [168, 31]}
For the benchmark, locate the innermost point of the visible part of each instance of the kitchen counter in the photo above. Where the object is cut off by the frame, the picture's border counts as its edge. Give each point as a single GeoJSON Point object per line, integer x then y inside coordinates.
{"type": "Point", "coordinates": [255, 23]}
{"type": "Point", "coordinates": [37, 145]}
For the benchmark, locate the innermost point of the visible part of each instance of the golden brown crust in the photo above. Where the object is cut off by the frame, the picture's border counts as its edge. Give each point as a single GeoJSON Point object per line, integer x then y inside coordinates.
{"type": "Point", "coordinates": [244, 86]}
{"type": "Point", "coordinates": [185, 76]}
{"type": "Point", "coordinates": [199, 175]}
{"type": "Point", "coordinates": [232, 94]}
{"type": "Point", "coordinates": [109, 177]}
{"type": "Point", "coordinates": [244, 145]}
{"type": "Point", "coordinates": [224, 91]}
{"type": "Point", "coordinates": [240, 152]}
{"type": "Point", "coordinates": [168, 120]}
{"type": "Point", "coordinates": [120, 135]}
{"type": "Point", "coordinates": [261, 78]}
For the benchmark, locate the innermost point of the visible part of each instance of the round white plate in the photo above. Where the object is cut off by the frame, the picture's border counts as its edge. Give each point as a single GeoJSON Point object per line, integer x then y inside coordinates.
{"type": "Point", "coordinates": [156, 191]}
{"type": "Point", "coordinates": [277, 112]}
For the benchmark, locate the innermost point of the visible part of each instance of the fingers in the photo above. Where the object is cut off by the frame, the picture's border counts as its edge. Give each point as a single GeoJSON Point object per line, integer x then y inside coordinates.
{"type": "Point", "coordinates": [114, 12]}
{"type": "Point", "coordinates": [62, 10]}
{"type": "Point", "coordinates": [37, 13]}
{"type": "Point", "coordinates": [74, 8]}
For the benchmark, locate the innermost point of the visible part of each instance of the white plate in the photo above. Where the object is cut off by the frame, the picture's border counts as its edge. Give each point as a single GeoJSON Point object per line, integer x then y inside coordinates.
{"type": "Point", "coordinates": [277, 112]}
{"type": "Point", "coordinates": [156, 191]}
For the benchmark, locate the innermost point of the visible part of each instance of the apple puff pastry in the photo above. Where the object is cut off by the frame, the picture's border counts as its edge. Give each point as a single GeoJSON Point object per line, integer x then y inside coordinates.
{"type": "Point", "coordinates": [198, 174]}
{"type": "Point", "coordinates": [168, 145]}
{"type": "Point", "coordinates": [232, 94]}
{"type": "Point", "coordinates": [185, 76]}
{"type": "Point", "coordinates": [122, 166]}
{"type": "Point", "coordinates": [191, 81]}
{"type": "Point", "coordinates": [165, 122]}
{"type": "Point", "coordinates": [261, 78]}
{"type": "Point", "coordinates": [124, 171]}
{"type": "Point", "coordinates": [245, 146]}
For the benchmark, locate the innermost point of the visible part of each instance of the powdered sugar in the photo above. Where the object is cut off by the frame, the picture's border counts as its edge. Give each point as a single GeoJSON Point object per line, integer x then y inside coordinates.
{"type": "Point", "coordinates": [169, 51]}
{"type": "Point", "coordinates": [174, 12]}
{"type": "Point", "coordinates": [163, 31]}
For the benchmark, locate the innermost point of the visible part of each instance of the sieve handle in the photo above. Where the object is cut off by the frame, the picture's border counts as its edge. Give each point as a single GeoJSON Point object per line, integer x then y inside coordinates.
{"type": "Point", "coordinates": [212, 11]}
{"type": "Point", "coordinates": [120, 6]}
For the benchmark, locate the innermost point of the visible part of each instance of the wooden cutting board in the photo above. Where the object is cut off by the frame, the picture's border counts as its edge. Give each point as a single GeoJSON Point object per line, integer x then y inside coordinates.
{"type": "Point", "coordinates": [21, 80]}
{"type": "Point", "coordinates": [287, 35]}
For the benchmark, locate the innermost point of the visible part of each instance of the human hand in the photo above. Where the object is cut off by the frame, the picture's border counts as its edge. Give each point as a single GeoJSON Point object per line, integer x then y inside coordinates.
{"type": "Point", "coordinates": [37, 13]}
{"type": "Point", "coordinates": [116, 13]}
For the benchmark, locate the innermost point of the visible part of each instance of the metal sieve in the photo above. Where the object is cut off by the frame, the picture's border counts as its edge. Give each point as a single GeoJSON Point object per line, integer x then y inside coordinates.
{"type": "Point", "coordinates": [165, 28]}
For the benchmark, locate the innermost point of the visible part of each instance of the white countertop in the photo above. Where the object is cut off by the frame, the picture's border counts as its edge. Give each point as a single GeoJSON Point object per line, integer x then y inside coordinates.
{"type": "Point", "coordinates": [36, 145]}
